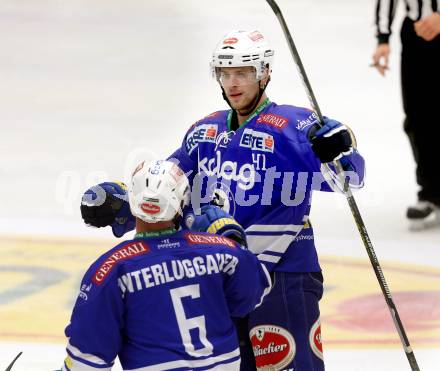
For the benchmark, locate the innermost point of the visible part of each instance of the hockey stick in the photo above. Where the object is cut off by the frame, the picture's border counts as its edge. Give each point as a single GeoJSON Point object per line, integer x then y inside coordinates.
{"type": "Point", "coordinates": [12, 363]}
{"type": "Point", "coordinates": [351, 201]}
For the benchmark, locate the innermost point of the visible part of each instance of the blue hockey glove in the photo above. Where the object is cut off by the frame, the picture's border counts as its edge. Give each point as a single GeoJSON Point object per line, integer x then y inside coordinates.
{"type": "Point", "coordinates": [124, 221]}
{"type": "Point", "coordinates": [107, 204]}
{"type": "Point", "coordinates": [332, 141]}
{"type": "Point", "coordinates": [213, 219]}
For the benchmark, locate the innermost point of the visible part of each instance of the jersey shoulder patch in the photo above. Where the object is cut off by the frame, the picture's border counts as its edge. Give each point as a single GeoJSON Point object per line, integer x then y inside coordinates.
{"type": "Point", "coordinates": [204, 130]}
{"type": "Point", "coordinates": [302, 117]}
{"type": "Point", "coordinates": [99, 273]}
{"type": "Point", "coordinates": [107, 262]}
{"type": "Point", "coordinates": [193, 238]}
{"type": "Point", "coordinates": [299, 121]}
{"type": "Point", "coordinates": [272, 120]}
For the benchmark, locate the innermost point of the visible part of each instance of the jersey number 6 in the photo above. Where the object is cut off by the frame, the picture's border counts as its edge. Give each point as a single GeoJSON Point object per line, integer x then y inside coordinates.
{"type": "Point", "coordinates": [188, 324]}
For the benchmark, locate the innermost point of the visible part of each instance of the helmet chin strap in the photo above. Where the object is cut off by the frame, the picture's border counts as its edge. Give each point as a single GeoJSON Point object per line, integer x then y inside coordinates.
{"type": "Point", "coordinates": [253, 105]}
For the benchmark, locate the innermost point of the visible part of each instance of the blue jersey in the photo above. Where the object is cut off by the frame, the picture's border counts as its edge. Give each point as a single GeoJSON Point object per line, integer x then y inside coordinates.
{"type": "Point", "coordinates": [164, 304]}
{"type": "Point", "coordinates": [263, 174]}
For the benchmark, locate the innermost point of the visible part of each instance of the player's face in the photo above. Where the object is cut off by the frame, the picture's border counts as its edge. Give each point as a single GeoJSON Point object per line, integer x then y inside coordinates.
{"type": "Point", "coordinates": [240, 85]}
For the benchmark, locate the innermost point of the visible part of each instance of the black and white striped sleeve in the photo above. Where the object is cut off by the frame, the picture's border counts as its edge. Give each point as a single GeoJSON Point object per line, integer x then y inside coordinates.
{"type": "Point", "coordinates": [385, 10]}
{"type": "Point", "coordinates": [414, 10]}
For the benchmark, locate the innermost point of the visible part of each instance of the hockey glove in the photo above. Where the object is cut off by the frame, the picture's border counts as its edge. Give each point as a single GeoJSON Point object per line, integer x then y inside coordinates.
{"type": "Point", "coordinates": [332, 141]}
{"type": "Point", "coordinates": [213, 219]}
{"type": "Point", "coordinates": [107, 204]}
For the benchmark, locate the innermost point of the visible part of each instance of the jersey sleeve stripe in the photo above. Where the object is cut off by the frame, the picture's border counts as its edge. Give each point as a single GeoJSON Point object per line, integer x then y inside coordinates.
{"type": "Point", "coordinates": [274, 228]}
{"type": "Point", "coordinates": [87, 359]}
{"type": "Point", "coordinates": [271, 233]}
{"type": "Point", "coordinates": [279, 244]}
{"type": "Point", "coordinates": [80, 366]}
{"type": "Point", "coordinates": [269, 258]}
{"type": "Point", "coordinates": [192, 364]}
{"type": "Point", "coordinates": [274, 253]}
{"type": "Point", "coordinates": [384, 16]}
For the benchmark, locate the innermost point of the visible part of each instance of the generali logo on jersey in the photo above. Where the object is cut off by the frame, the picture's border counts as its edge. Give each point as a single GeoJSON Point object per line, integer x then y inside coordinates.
{"type": "Point", "coordinates": [274, 347]}
{"type": "Point", "coordinates": [257, 140]}
{"type": "Point", "coordinates": [123, 253]}
{"type": "Point", "coordinates": [276, 121]}
{"type": "Point", "coordinates": [200, 239]}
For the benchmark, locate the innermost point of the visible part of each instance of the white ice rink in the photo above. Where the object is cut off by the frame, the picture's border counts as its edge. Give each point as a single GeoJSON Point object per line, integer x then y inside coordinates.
{"type": "Point", "coordinates": [86, 87]}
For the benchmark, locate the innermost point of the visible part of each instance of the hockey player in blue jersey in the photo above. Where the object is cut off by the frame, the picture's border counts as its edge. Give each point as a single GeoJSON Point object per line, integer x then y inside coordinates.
{"type": "Point", "coordinates": [164, 300]}
{"type": "Point", "coordinates": [261, 161]}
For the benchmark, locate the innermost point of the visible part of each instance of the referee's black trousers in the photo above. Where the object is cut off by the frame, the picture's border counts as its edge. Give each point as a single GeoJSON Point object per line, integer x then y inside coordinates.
{"type": "Point", "coordinates": [420, 77]}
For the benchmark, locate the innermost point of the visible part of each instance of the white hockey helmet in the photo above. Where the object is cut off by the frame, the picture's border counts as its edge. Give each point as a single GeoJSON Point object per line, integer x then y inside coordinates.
{"type": "Point", "coordinates": [241, 49]}
{"type": "Point", "coordinates": [158, 191]}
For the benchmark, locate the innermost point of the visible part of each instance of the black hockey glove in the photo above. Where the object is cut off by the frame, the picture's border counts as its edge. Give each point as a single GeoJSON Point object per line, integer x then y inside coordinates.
{"type": "Point", "coordinates": [331, 141]}
{"type": "Point", "coordinates": [107, 204]}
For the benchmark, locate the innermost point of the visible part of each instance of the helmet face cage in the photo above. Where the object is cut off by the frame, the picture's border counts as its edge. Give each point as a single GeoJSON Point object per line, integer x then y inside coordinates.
{"type": "Point", "coordinates": [241, 49]}
{"type": "Point", "coordinates": [158, 191]}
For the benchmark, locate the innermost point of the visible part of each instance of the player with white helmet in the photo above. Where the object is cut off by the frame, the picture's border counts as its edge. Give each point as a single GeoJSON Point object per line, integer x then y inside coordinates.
{"type": "Point", "coordinates": [164, 300]}
{"type": "Point", "coordinates": [247, 56]}
{"type": "Point", "coordinates": [263, 161]}
{"type": "Point", "coordinates": [158, 192]}
{"type": "Point", "coordinates": [243, 49]}
{"type": "Point", "coordinates": [260, 139]}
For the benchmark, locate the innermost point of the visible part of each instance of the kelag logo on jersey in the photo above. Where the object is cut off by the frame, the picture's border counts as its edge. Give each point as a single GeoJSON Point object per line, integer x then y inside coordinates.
{"type": "Point", "coordinates": [244, 175]}
{"type": "Point", "coordinates": [257, 140]}
{"type": "Point", "coordinates": [202, 133]}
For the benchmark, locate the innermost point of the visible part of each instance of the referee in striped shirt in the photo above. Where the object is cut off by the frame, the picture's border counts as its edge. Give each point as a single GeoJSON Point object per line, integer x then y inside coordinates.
{"type": "Point", "coordinates": [420, 77]}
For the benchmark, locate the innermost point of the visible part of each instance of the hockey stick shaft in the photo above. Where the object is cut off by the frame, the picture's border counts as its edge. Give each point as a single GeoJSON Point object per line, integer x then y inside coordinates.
{"type": "Point", "coordinates": [12, 363]}
{"type": "Point", "coordinates": [351, 201]}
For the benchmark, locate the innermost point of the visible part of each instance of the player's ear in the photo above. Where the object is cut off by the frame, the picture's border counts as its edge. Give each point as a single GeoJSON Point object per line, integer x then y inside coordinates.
{"type": "Point", "coordinates": [266, 77]}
